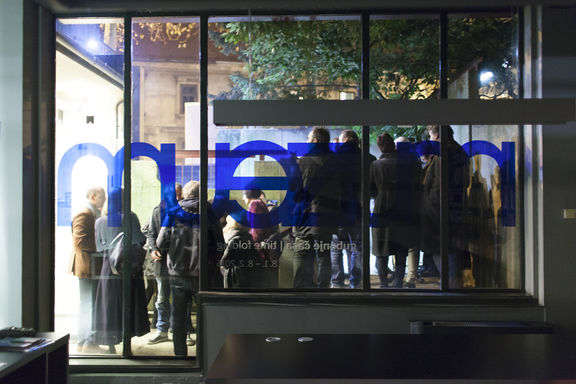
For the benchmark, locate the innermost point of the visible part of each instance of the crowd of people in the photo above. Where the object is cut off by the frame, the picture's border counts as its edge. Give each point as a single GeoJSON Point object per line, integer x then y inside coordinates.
{"type": "Point", "coordinates": [244, 250]}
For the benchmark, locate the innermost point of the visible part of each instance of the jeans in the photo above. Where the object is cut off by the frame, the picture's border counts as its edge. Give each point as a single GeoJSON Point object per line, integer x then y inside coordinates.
{"type": "Point", "coordinates": [87, 288]}
{"type": "Point", "coordinates": [183, 290]}
{"type": "Point", "coordinates": [163, 300]}
{"type": "Point", "coordinates": [305, 250]}
{"type": "Point", "coordinates": [337, 259]}
{"type": "Point", "coordinates": [350, 241]}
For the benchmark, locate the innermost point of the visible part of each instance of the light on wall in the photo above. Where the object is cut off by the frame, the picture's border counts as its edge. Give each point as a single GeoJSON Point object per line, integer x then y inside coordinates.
{"type": "Point", "coordinates": [486, 76]}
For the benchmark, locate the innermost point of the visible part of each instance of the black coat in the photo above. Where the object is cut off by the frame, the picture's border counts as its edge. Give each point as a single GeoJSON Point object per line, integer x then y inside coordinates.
{"type": "Point", "coordinates": [180, 234]}
{"type": "Point", "coordinates": [317, 195]}
{"type": "Point", "coordinates": [108, 306]}
{"type": "Point", "coordinates": [458, 182]}
{"type": "Point", "coordinates": [241, 265]}
{"type": "Point", "coordinates": [395, 186]}
{"type": "Point", "coordinates": [349, 158]}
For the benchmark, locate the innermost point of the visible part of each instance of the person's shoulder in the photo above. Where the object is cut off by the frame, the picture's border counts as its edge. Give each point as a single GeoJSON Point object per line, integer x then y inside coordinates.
{"type": "Point", "coordinates": [83, 214]}
{"type": "Point", "coordinates": [102, 220]}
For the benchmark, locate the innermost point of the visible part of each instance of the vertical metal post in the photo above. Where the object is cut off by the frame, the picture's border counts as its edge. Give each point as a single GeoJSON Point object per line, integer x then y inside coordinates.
{"type": "Point", "coordinates": [365, 86]}
{"type": "Point", "coordinates": [126, 197]}
{"type": "Point", "coordinates": [46, 175]}
{"type": "Point", "coordinates": [521, 39]}
{"type": "Point", "coordinates": [444, 224]}
{"type": "Point", "coordinates": [203, 179]}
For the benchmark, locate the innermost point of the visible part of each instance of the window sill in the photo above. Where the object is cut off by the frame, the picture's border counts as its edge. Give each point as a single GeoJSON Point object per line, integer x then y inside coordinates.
{"type": "Point", "coordinates": [79, 365]}
{"type": "Point", "coordinates": [491, 298]}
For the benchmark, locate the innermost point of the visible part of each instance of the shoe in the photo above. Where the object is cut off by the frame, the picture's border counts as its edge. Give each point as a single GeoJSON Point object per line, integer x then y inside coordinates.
{"type": "Point", "coordinates": [190, 342]}
{"type": "Point", "coordinates": [159, 338]}
{"type": "Point", "coordinates": [410, 285]}
{"type": "Point", "coordinates": [338, 285]}
{"type": "Point", "coordinates": [91, 349]}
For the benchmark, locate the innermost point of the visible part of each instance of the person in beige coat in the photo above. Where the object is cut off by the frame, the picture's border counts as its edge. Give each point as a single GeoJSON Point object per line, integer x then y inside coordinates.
{"type": "Point", "coordinates": [84, 266]}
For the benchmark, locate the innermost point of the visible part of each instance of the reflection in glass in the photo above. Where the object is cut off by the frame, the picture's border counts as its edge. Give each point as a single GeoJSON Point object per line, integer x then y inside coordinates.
{"type": "Point", "coordinates": [404, 56]}
{"type": "Point", "coordinates": [483, 63]}
{"type": "Point", "coordinates": [483, 56]}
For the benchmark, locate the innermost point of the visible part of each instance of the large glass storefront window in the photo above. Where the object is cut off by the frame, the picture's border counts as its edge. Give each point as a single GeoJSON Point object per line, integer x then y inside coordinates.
{"type": "Point", "coordinates": [286, 205]}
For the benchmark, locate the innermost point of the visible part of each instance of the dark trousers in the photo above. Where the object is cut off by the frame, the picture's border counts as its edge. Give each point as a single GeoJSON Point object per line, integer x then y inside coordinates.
{"type": "Point", "coordinates": [184, 288]}
{"type": "Point", "coordinates": [348, 240]}
{"type": "Point", "coordinates": [400, 253]}
{"type": "Point", "coordinates": [305, 251]}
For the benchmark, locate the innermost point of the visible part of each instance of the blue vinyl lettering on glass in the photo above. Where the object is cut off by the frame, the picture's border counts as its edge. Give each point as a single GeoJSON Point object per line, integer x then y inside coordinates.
{"type": "Point", "coordinates": [227, 161]}
{"type": "Point", "coordinates": [165, 159]}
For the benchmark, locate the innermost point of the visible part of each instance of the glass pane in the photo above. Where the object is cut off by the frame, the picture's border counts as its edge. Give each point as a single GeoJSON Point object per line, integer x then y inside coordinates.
{"type": "Point", "coordinates": [483, 64]}
{"type": "Point", "coordinates": [288, 199]}
{"type": "Point", "coordinates": [89, 137]}
{"type": "Point", "coordinates": [404, 58]}
{"type": "Point", "coordinates": [165, 175]}
{"type": "Point", "coordinates": [483, 56]}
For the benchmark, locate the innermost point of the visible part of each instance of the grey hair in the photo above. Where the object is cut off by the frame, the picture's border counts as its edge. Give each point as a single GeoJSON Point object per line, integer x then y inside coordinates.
{"type": "Point", "coordinates": [191, 190]}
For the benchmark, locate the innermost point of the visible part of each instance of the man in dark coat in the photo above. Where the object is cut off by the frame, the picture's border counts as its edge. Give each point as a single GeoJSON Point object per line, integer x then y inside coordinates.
{"type": "Point", "coordinates": [458, 181]}
{"type": "Point", "coordinates": [180, 234]}
{"type": "Point", "coordinates": [349, 234]}
{"type": "Point", "coordinates": [160, 268]}
{"type": "Point", "coordinates": [395, 181]}
{"type": "Point", "coordinates": [316, 211]}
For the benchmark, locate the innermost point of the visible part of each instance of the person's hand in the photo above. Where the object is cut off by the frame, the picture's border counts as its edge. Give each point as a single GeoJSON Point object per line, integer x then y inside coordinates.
{"type": "Point", "coordinates": [156, 255]}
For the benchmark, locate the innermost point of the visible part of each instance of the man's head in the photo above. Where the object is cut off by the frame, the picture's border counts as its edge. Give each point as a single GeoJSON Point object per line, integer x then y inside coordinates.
{"type": "Point", "coordinates": [251, 194]}
{"type": "Point", "coordinates": [434, 132]}
{"type": "Point", "coordinates": [385, 143]}
{"type": "Point", "coordinates": [348, 135]}
{"type": "Point", "coordinates": [96, 196]}
{"type": "Point", "coordinates": [191, 190]}
{"type": "Point", "coordinates": [319, 135]}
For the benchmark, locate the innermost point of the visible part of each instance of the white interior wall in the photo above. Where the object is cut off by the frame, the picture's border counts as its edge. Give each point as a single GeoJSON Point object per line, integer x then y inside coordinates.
{"type": "Point", "coordinates": [11, 48]}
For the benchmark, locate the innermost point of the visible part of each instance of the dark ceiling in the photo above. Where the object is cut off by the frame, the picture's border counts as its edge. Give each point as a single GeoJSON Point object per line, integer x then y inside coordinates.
{"type": "Point", "coordinates": [87, 7]}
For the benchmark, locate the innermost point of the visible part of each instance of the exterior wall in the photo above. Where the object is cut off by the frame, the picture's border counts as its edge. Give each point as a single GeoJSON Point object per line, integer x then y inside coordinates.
{"type": "Point", "coordinates": [11, 167]}
{"type": "Point", "coordinates": [559, 170]}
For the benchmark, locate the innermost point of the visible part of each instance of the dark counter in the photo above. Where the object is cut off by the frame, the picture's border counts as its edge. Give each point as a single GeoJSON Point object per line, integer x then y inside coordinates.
{"type": "Point", "coordinates": [248, 358]}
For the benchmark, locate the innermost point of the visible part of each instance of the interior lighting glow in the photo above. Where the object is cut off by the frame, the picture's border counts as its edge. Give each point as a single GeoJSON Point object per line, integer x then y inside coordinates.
{"type": "Point", "coordinates": [486, 76]}
{"type": "Point", "coordinates": [92, 45]}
